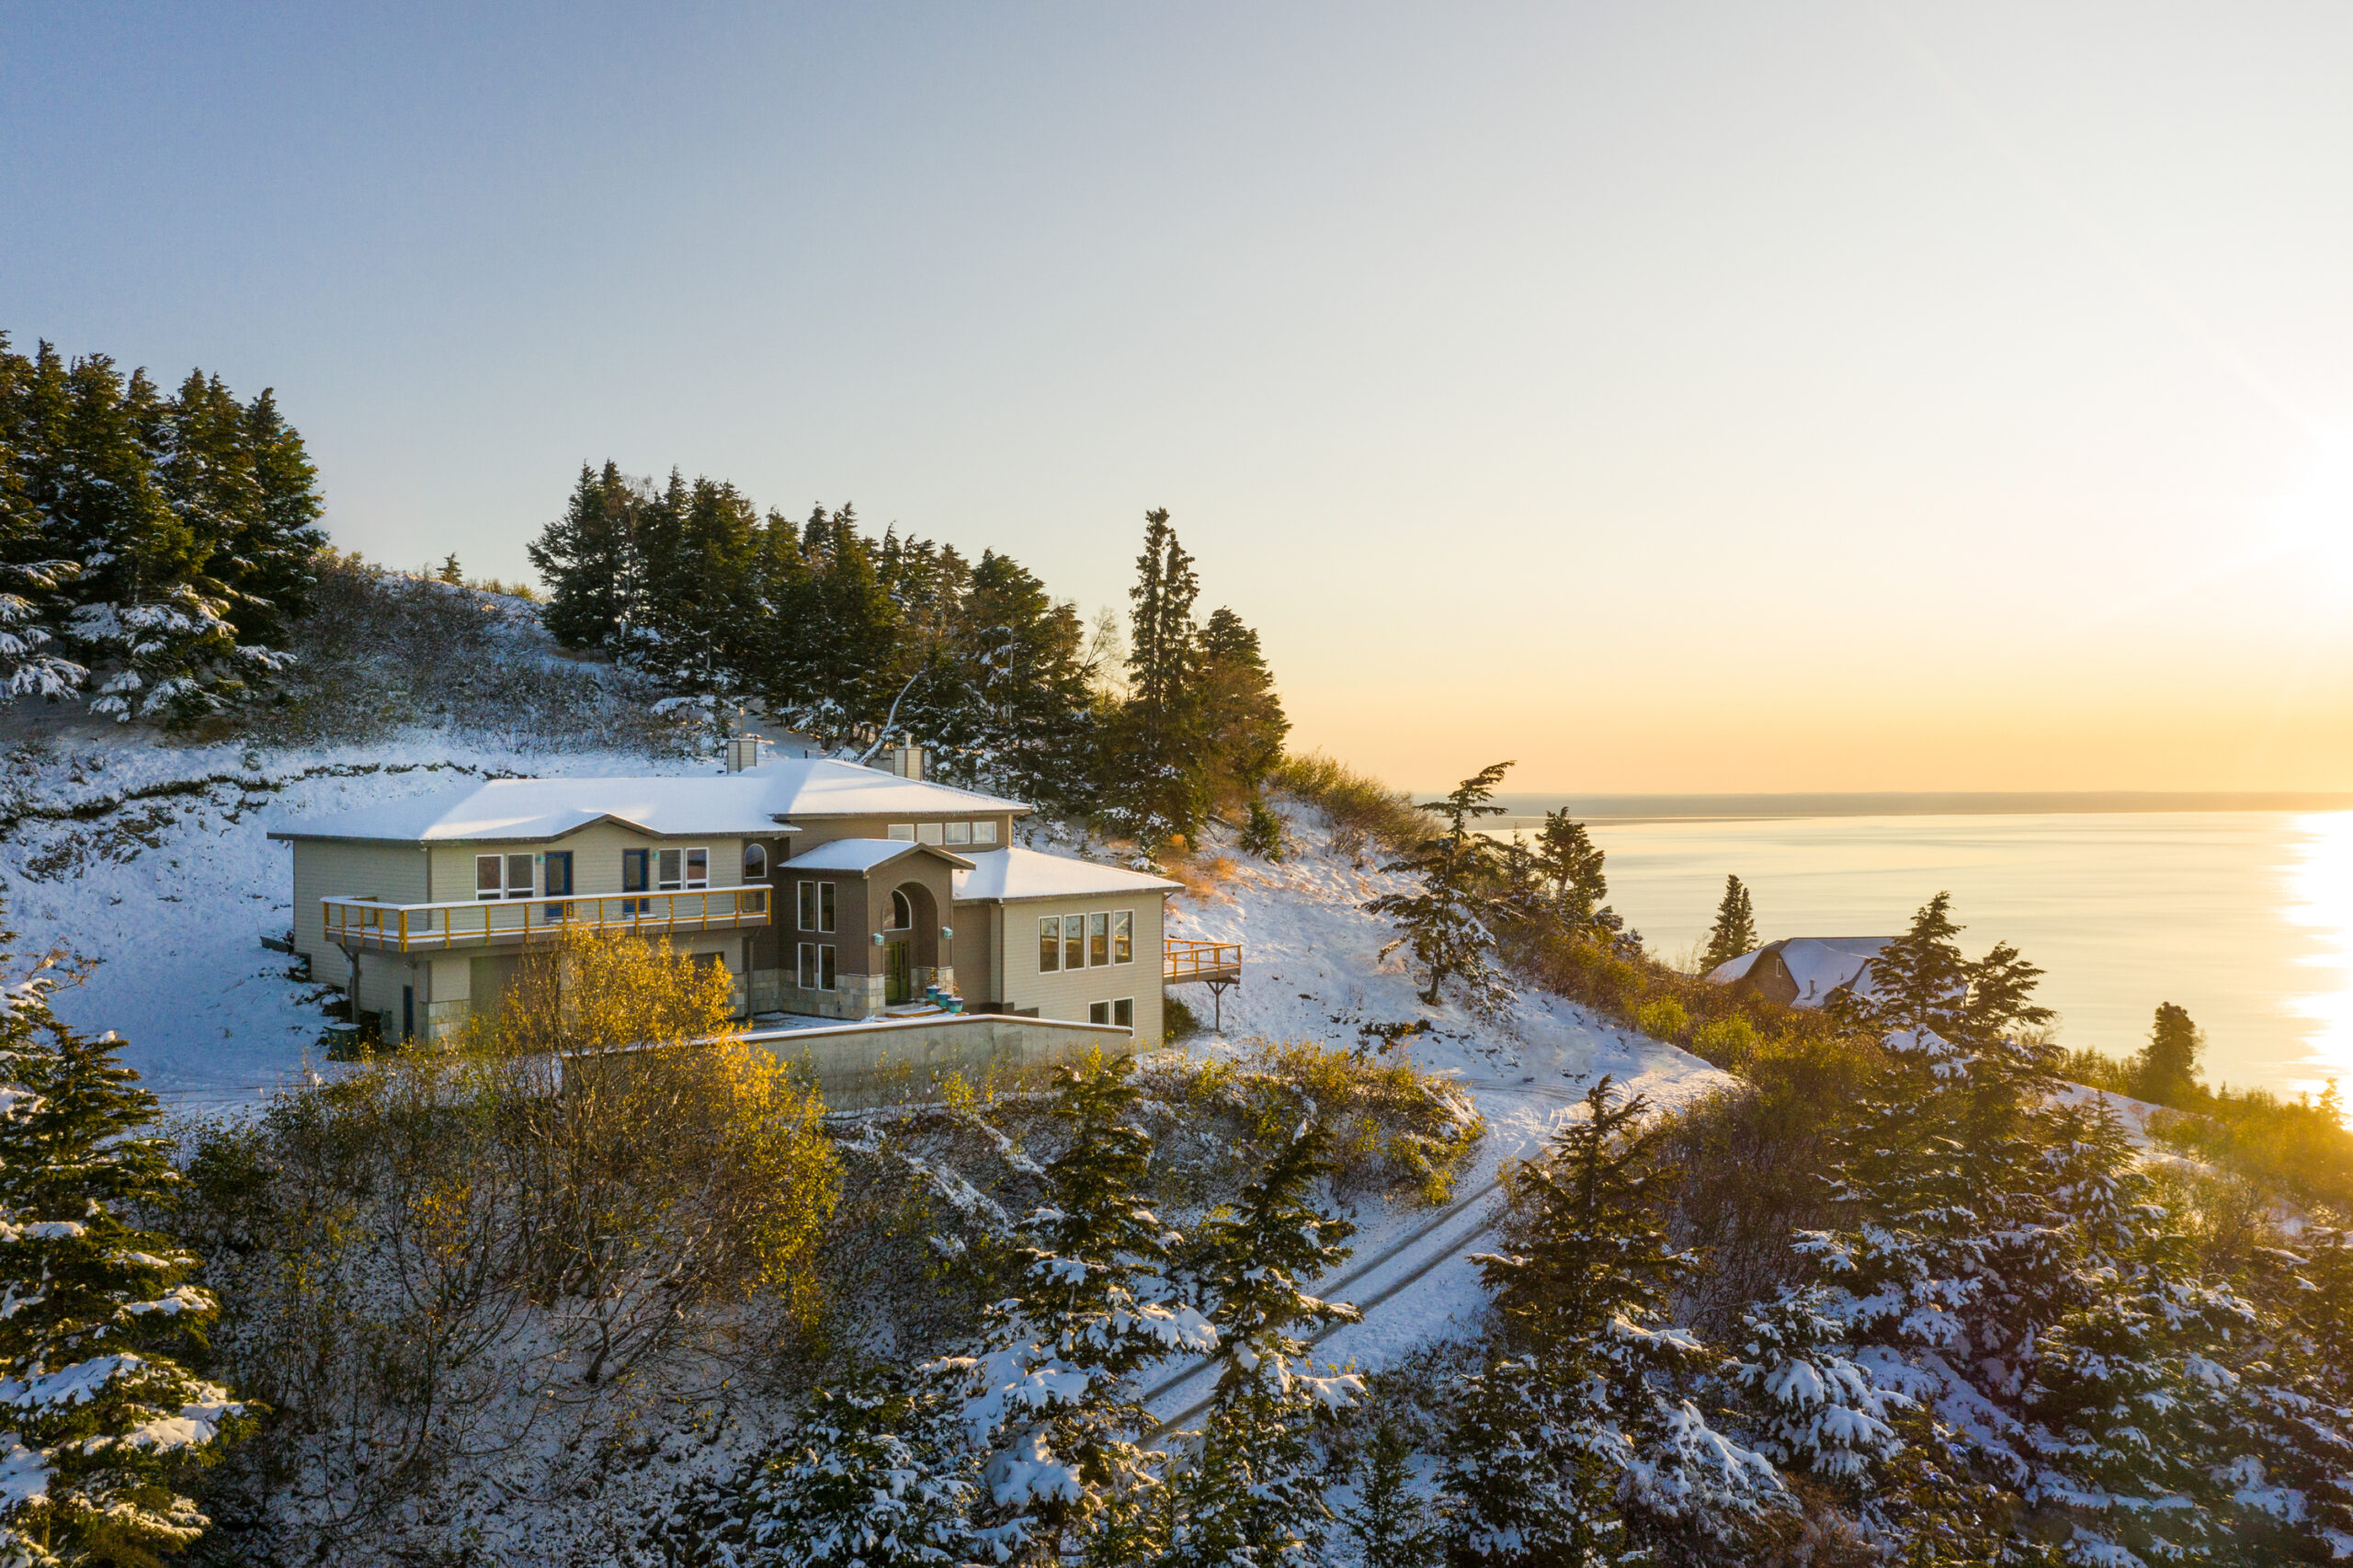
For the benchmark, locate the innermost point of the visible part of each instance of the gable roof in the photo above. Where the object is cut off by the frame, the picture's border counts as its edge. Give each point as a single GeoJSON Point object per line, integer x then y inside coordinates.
{"type": "Point", "coordinates": [867, 854]}
{"type": "Point", "coordinates": [1012, 873]}
{"type": "Point", "coordinates": [756, 802]}
{"type": "Point", "coordinates": [1803, 972]}
{"type": "Point", "coordinates": [515, 810]}
{"type": "Point", "coordinates": [828, 787]}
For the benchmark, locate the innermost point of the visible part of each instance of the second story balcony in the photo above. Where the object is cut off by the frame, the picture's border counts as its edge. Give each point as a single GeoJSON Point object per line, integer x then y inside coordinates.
{"type": "Point", "coordinates": [361, 922]}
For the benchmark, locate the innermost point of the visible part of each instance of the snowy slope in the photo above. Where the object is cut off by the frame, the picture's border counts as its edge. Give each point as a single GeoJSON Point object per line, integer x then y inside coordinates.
{"type": "Point", "coordinates": [167, 895]}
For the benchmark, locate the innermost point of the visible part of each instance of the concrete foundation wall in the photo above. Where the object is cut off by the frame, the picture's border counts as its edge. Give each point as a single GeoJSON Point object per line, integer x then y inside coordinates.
{"type": "Point", "coordinates": [869, 1064]}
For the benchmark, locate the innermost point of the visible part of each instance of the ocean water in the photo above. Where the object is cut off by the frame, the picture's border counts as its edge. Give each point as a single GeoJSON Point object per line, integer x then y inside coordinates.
{"type": "Point", "coordinates": [2243, 918]}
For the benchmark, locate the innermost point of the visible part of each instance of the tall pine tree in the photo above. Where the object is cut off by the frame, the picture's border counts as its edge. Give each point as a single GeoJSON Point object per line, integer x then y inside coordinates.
{"type": "Point", "coordinates": [1445, 920]}
{"type": "Point", "coordinates": [101, 1425]}
{"type": "Point", "coordinates": [1735, 932]}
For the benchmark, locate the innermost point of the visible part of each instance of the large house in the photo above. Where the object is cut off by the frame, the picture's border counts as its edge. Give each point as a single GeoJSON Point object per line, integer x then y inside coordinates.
{"type": "Point", "coordinates": [825, 888]}
{"type": "Point", "coordinates": [1803, 972]}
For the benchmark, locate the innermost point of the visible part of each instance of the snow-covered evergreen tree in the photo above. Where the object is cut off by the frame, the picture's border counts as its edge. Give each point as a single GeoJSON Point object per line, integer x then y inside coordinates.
{"type": "Point", "coordinates": [1052, 1403]}
{"type": "Point", "coordinates": [1389, 1523]}
{"type": "Point", "coordinates": [100, 1425]}
{"type": "Point", "coordinates": [874, 1476]}
{"type": "Point", "coordinates": [1445, 920]}
{"type": "Point", "coordinates": [2130, 1401]}
{"type": "Point", "coordinates": [1815, 1409]}
{"type": "Point", "coordinates": [1250, 1498]}
{"type": "Point", "coordinates": [1586, 1431]}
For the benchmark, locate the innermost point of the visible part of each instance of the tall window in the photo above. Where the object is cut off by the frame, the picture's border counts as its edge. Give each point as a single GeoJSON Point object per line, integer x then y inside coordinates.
{"type": "Point", "coordinates": [1073, 941]}
{"type": "Point", "coordinates": [698, 867]}
{"type": "Point", "coordinates": [636, 877]}
{"type": "Point", "coordinates": [1123, 937]}
{"type": "Point", "coordinates": [816, 906]}
{"type": "Point", "coordinates": [816, 966]}
{"type": "Point", "coordinates": [1050, 944]}
{"type": "Point", "coordinates": [756, 862]}
{"type": "Point", "coordinates": [1098, 938]}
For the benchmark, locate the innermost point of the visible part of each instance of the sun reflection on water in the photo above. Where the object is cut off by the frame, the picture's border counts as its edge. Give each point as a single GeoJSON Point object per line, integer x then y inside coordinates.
{"type": "Point", "coordinates": [2321, 886]}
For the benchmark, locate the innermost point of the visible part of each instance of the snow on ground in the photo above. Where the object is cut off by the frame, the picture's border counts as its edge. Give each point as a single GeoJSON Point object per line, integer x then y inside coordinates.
{"type": "Point", "coordinates": [169, 896]}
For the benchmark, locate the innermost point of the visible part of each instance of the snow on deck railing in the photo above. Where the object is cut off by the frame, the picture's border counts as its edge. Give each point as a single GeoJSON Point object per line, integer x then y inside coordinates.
{"type": "Point", "coordinates": [1185, 959]}
{"type": "Point", "coordinates": [406, 927]}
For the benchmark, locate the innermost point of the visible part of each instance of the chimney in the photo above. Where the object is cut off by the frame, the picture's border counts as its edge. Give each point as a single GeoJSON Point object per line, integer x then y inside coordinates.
{"type": "Point", "coordinates": [743, 752]}
{"type": "Point", "coordinates": [910, 760]}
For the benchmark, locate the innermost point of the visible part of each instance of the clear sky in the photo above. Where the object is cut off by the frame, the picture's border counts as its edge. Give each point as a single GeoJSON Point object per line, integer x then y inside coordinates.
{"type": "Point", "coordinates": [1672, 397]}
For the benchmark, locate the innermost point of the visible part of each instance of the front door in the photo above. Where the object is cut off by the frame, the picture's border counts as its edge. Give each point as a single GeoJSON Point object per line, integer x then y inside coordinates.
{"type": "Point", "coordinates": [900, 984]}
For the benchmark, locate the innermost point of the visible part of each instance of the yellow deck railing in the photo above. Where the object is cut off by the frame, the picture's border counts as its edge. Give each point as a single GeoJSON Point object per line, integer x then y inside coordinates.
{"type": "Point", "coordinates": [1184, 960]}
{"type": "Point", "coordinates": [411, 927]}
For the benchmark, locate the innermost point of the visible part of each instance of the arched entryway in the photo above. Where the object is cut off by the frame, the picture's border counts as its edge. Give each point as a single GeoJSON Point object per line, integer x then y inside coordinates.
{"type": "Point", "coordinates": [911, 939]}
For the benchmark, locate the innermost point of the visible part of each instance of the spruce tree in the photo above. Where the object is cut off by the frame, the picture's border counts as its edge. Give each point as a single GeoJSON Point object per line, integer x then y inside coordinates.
{"type": "Point", "coordinates": [874, 1476]}
{"type": "Point", "coordinates": [1390, 1525]}
{"type": "Point", "coordinates": [1569, 860]}
{"type": "Point", "coordinates": [1052, 1401]}
{"type": "Point", "coordinates": [588, 558]}
{"type": "Point", "coordinates": [1445, 920]}
{"type": "Point", "coordinates": [1735, 932]}
{"type": "Point", "coordinates": [1251, 1496]}
{"type": "Point", "coordinates": [1242, 723]}
{"type": "Point", "coordinates": [1813, 1408]}
{"type": "Point", "coordinates": [1156, 773]}
{"type": "Point", "coordinates": [1582, 1429]}
{"type": "Point", "coordinates": [100, 1423]}
{"type": "Point", "coordinates": [2166, 1070]}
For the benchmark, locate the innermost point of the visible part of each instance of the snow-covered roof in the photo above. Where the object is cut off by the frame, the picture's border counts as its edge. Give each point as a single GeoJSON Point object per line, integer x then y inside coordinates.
{"type": "Point", "coordinates": [865, 854]}
{"type": "Point", "coordinates": [1817, 965]}
{"type": "Point", "coordinates": [508, 810]}
{"type": "Point", "coordinates": [828, 787]}
{"type": "Point", "coordinates": [766, 800]}
{"type": "Point", "coordinates": [1011, 873]}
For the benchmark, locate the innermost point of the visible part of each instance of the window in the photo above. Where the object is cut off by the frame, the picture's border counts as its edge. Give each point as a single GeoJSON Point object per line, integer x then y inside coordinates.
{"type": "Point", "coordinates": [984, 833]}
{"type": "Point", "coordinates": [558, 879]}
{"type": "Point", "coordinates": [905, 832]}
{"type": "Point", "coordinates": [1073, 941]}
{"type": "Point", "coordinates": [1050, 944]}
{"type": "Point", "coordinates": [816, 966]}
{"type": "Point", "coordinates": [902, 912]}
{"type": "Point", "coordinates": [1099, 940]}
{"type": "Point", "coordinates": [959, 833]}
{"type": "Point", "coordinates": [928, 833]}
{"type": "Point", "coordinates": [1121, 1012]}
{"type": "Point", "coordinates": [698, 867]}
{"type": "Point", "coordinates": [1098, 1012]}
{"type": "Point", "coordinates": [636, 877]}
{"type": "Point", "coordinates": [667, 864]}
{"type": "Point", "coordinates": [816, 906]}
{"type": "Point", "coordinates": [756, 862]}
{"type": "Point", "coordinates": [501, 876]}
{"type": "Point", "coordinates": [1123, 937]}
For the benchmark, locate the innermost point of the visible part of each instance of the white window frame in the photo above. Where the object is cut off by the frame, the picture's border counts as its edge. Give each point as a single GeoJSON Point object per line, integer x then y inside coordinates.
{"type": "Point", "coordinates": [826, 970]}
{"type": "Point", "coordinates": [506, 887]}
{"type": "Point", "coordinates": [1123, 935]}
{"type": "Point", "coordinates": [1130, 1004]}
{"type": "Point", "coordinates": [930, 833]}
{"type": "Point", "coordinates": [984, 831]}
{"type": "Point", "coordinates": [901, 832]}
{"type": "Point", "coordinates": [1073, 935]}
{"type": "Point", "coordinates": [959, 833]}
{"type": "Point", "coordinates": [1098, 924]}
{"type": "Point", "coordinates": [694, 882]}
{"type": "Point", "coordinates": [819, 903]}
{"type": "Point", "coordinates": [1050, 944]}
{"type": "Point", "coordinates": [756, 862]}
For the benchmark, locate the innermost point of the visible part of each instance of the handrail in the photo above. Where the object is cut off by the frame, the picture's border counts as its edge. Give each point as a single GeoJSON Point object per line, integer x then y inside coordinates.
{"type": "Point", "coordinates": [409, 928]}
{"type": "Point", "coordinates": [1184, 959]}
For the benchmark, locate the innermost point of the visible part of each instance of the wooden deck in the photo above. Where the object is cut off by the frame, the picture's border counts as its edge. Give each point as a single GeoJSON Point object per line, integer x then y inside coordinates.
{"type": "Point", "coordinates": [431, 927]}
{"type": "Point", "coordinates": [1218, 963]}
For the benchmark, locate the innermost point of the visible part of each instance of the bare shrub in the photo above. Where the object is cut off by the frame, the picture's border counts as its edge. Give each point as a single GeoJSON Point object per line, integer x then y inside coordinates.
{"type": "Point", "coordinates": [560, 1218]}
{"type": "Point", "coordinates": [1360, 812]}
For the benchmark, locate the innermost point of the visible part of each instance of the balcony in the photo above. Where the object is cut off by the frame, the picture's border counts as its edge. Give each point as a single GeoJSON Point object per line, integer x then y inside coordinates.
{"type": "Point", "coordinates": [432, 927]}
{"type": "Point", "coordinates": [1218, 963]}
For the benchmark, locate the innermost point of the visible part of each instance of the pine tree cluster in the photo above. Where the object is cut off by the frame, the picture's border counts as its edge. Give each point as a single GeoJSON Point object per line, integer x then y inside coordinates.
{"type": "Point", "coordinates": [847, 638]}
{"type": "Point", "coordinates": [155, 550]}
